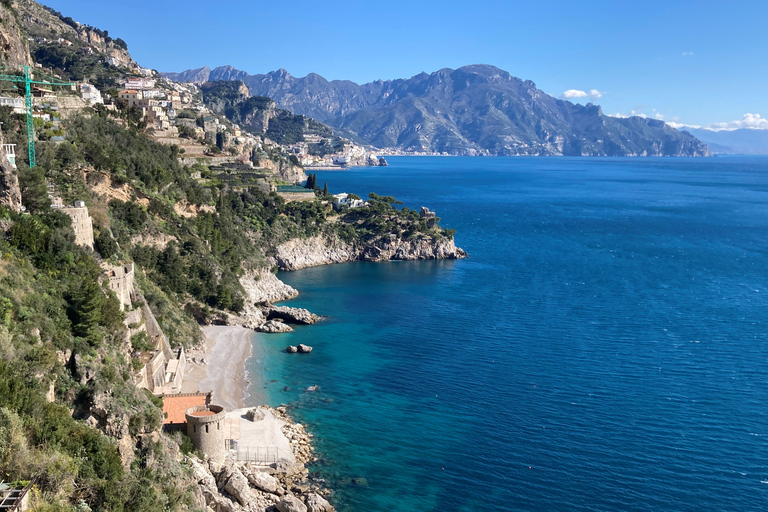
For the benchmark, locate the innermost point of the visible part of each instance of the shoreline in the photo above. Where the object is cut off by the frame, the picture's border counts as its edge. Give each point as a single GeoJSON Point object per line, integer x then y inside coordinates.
{"type": "Point", "coordinates": [219, 366]}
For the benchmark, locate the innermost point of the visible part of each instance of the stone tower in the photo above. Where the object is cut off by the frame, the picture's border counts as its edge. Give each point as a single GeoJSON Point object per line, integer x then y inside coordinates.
{"type": "Point", "coordinates": [81, 223]}
{"type": "Point", "coordinates": [205, 427]}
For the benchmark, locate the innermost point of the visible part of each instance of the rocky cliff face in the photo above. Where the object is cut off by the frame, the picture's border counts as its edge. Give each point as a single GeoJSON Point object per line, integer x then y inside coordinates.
{"type": "Point", "coordinates": [318, 250]}
{"type": "Point", "coordinates": [10, 193]}
{"type": "Point", "coordinates": [14, 49]}
{"type": "Point", "coordinates": [286, 170]}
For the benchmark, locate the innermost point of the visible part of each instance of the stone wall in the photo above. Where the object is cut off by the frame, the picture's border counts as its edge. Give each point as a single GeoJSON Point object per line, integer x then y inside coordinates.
{"type": "Point", "coordinates": [81, 224]}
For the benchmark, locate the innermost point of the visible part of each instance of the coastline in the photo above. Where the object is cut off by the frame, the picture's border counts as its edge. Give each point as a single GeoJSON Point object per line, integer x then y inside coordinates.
{"type": "Point", "coordinates": [219, 366]}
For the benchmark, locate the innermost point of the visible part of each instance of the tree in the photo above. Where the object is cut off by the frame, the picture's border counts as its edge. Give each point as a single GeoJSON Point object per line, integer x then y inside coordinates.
{"type": "Point", "coordinates": [325, 189]}
{"type": "Point", "coordinates": [34, 190]}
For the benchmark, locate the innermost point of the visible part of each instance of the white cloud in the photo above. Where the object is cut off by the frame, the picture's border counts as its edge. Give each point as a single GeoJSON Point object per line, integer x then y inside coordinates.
{"type": "Point", "coordinates": [748, 122]}
{"type": "Point", "coordinates": [687, 54]}
{"type": "Point", "coordinates": [572, 94]}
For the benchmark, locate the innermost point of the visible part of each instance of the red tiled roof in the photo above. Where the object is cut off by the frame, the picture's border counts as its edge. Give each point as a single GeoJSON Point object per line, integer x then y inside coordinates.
{"type": "Point", "coordinates": [174, 406]}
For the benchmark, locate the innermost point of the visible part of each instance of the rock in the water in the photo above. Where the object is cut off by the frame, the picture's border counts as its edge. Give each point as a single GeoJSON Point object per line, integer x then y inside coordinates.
{"type": "Point", "coordinates": [312, 388]}
{"type": "Point", "coordinates": [316, 503]}
{"type": "Point", "coordinates": [264, 482]}
{"type": "Point", "coordinates": [290, 315]}
{"type": "Point", "coordinates": [383, 162]}
{"type": "Point", "coordinates": [291, 503]}
{"type": "Point", "coordinates": [273, 326]}
{"type": "Point", "coordinates": [304, 349]}
{"type": "Point", "coordinates": [291, 349]}
{"type": "Point", "coordinates": [237, 486]}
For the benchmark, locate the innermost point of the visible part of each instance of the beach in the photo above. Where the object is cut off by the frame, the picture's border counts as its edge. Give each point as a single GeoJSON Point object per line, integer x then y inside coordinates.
{"type": "Point", "coordinates": [219, 365]}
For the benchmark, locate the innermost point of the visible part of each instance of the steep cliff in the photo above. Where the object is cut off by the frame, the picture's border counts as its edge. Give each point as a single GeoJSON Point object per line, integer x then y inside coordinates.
{"type": "Point", "coordinates": [14, 49]}
{"type": "Point", "coordinates": [320, 250]}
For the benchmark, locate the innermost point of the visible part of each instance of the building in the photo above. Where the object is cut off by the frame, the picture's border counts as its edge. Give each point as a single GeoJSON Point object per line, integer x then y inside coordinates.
{"type": "Point", "coordinates": [139, 83]}
{"type": "Point", "coordinates": [131, 96]}
{"type": "Point", "coordinates": [121, 280]}
{"type": "Point", "coordinates": [81, 223]}
{"type": "Point", "coordinates": [10, 153]}
{"type": "Point", "coordinates": [176, 406]}
{"type": "Point", "coordinates": [90, 94]}
{"type": "Point", "coordinates": [429, 216]}
{"type": "Point", "coordinates": [340, 200]}
{"type": "Point", "coordinates": [17, 104]}
{"type": "Point", "coordinates": [153, 93]}
{"type": "Point", "coordinates": [205, 427]}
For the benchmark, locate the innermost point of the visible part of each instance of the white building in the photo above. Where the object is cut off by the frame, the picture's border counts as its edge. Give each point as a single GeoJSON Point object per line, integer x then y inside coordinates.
{"type": "Point", "coordinates": [139, 83]}
{"type": "Point", "coordinates": [90, 94]}
{"type": "Point", "coordinates": [16, 103]}
{"type": "Point", "coordinates": [345, 200]}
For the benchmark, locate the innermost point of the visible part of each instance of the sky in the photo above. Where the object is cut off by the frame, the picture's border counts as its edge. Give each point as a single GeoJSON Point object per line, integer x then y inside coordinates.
{"type": "Point", "coordinates": [697, 63]}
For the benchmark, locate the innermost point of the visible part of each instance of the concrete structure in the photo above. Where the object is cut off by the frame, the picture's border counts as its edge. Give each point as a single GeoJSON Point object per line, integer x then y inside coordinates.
{"type": "Point", "coordinates": [81, 223]}
{"type": "Point", "coordinates": [429, 216]}
{"type": "Point", "coordinates": [14, 499]}
{"type": "Point", "coordinates": [256, 435]}
{"type": "Point", "coordinates": [16, 103]}
{"type": "Point", "coordinates": [205, 427]}
{"type": "Point", "coordinates": [10, 153]}
{"type": "Point", "coordinates": [90, 94]}
{"type": "Point", "coordinates": [121, 282]}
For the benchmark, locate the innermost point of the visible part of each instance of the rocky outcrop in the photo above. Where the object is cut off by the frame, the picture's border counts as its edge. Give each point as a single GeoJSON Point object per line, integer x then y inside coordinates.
{"type": "Point", "coordinates": [290, 315]}
{"type": "Point", "coordinates": [10, 193]}
{"type": "Point", "coordinates": [14, 49]}
{"type": "Point", "coordinates": [313, 251]}
{"type": "Point", "coordinates": [284, 169]}
{"type": "Point", "coordinates": [291, 503]}
{"type": "Point", "coordinates": [304, 349]}
{"type": "Point", "coordinates": [274, 326]}
{"type": "Point", "coordinates": [261, 287]}
{"type": "Point", "coordinates": [291, 349]}
{"type": "Point", "coordinates": [318, 250]}
{"type": "Point", "coordinates": [316, 503]}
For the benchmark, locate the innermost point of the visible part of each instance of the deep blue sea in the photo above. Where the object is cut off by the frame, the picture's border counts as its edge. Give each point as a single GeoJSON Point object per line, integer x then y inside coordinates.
{"type": "Point", "coordinates": [603, 348]}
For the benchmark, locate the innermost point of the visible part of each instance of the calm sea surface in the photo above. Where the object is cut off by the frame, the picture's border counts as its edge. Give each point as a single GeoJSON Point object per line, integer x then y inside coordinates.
{"type": "Point", "coordinates": [605, 346]}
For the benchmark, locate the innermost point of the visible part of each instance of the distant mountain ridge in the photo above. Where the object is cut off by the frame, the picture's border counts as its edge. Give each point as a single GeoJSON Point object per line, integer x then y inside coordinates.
{"type": "Point", "coordinates": [744, 141]}
{"type": "Point", "coordinates": [476, 109]}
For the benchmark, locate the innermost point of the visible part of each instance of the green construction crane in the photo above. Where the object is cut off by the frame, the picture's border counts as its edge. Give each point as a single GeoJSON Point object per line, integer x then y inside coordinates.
{"type": "Point", "coordinates": [28, 80]}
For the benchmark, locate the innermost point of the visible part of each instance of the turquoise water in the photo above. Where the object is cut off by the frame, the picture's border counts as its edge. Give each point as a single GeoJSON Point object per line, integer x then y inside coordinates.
{"type": "Point", "coordinates": [605, 346]}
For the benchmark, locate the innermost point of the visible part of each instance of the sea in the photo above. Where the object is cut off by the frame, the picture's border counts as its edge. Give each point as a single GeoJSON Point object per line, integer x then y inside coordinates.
{"type": "Point", "coordinates": [604, 347]}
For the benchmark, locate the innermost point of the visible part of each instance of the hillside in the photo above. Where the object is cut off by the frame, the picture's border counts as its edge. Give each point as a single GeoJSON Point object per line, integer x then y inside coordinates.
{"type": "Point", "coordinates": [118, 245]}
{"type": "Point", "coordinates": [259, 114]}
{"type": "Point", "coordinates": [476, 109]}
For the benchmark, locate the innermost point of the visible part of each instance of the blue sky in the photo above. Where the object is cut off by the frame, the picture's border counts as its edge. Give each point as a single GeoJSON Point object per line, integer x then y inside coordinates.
{"type": "Point", "coordinates": [694, 62]}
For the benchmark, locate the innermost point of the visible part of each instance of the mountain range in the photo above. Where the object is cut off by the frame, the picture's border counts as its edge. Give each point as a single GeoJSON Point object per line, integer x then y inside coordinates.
{"type": "Point", "coordinates": [744, 141]}
{"type": "Point", "coordinates": [476, 109]}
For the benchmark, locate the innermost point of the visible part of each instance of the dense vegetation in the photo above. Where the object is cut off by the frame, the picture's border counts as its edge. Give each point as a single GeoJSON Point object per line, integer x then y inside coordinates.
{"type": "Point", "coordinates": [60, 327]}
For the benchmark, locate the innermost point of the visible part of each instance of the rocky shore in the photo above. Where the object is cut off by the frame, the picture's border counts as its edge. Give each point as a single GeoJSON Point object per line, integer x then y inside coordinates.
{"type": "Point", "coordinates": [320, 250]}
{"type": "Point", "coordinates": [284, 486]}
